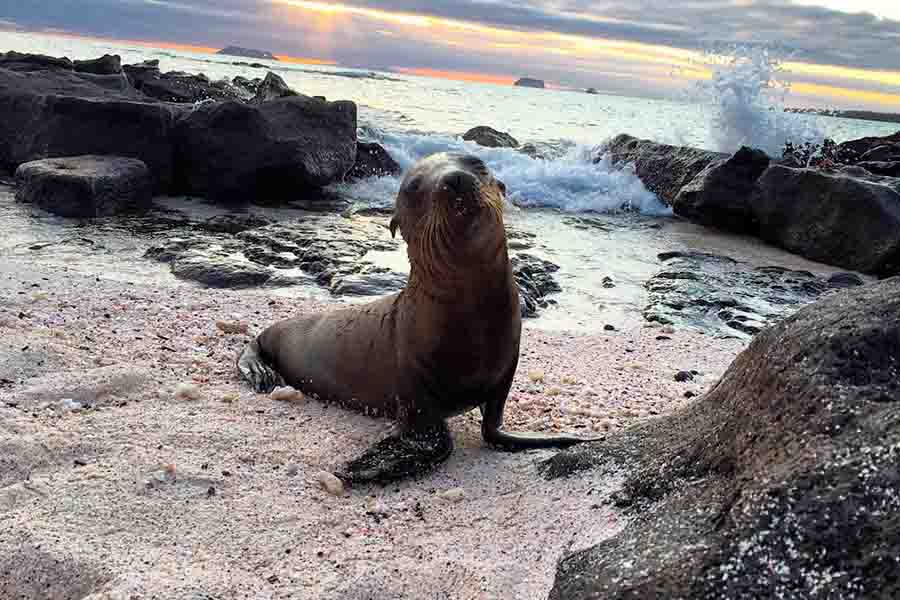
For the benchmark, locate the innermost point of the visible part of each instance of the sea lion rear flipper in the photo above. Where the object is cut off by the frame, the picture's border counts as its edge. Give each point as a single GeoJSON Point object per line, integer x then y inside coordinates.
{"type": "Point", "coordinates": [400, 456]}
{"type": "Point", "coordinates": [257, 371]}
{"type": "Point", "coordinates": [492, 420]}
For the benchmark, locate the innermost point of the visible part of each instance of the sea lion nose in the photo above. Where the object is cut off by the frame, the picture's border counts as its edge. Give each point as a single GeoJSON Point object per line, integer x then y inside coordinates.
{"type": "Point", "coordinates": [460, 183]}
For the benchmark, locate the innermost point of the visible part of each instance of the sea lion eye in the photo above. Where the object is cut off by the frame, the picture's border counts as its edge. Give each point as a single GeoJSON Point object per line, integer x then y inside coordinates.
{"type": "Point", "coordinates": [412, 186]}
{"type": "Point", "coordinates": [501, 185]}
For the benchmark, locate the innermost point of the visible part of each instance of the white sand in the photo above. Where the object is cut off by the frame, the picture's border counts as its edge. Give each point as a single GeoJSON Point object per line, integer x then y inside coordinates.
{"type": "Point", "coordinates": [213, 492]}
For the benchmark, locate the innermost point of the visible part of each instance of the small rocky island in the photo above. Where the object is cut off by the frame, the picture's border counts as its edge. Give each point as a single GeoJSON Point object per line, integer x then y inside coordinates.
{"type": "Point", "coordinates": [529, 82]}
{"type": "Point", "coordinates": [246, 52]}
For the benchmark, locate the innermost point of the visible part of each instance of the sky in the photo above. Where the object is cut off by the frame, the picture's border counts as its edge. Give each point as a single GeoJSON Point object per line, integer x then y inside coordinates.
{"type": "Point", "coordinates": [840, 53]}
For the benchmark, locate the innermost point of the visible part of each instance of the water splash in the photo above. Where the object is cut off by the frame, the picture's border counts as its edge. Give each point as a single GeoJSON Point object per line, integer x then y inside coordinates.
{"type": "Point", "coordinates": [571, 182]}
{"type": "Point", "coordinates": [747, 95]}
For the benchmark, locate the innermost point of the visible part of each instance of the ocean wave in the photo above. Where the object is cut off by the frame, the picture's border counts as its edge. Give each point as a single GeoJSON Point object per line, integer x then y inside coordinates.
{"type": "Point", "coordinates": [571, 182]}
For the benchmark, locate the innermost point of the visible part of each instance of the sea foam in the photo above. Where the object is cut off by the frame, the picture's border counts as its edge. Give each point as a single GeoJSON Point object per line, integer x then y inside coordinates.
{"type": "Point", "coordinates": [571, 183]}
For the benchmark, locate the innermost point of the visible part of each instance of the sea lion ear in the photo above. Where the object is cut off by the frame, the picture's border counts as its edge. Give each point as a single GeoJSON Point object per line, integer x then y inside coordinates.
{"type": "Point", "coordinates": [395, 223]}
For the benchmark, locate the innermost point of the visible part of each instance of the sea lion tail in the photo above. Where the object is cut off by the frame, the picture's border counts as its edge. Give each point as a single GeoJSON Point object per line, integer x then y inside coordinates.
{"type": "Point", "coordinates": [254, 368]}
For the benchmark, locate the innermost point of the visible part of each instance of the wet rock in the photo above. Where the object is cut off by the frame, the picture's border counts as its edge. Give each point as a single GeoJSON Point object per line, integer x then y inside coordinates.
{"type": "Point", "coordinates": [885, 153]}
{"type": "Point", "coordinates": [720, 295]}
{"type": "Point", "coordinates": [372, 161]}
{"type": "Point", "coordinates": [722, 511]}
{"type": "Point", "coordinates": [684, 376]}
{"type": "Point", "coordinates": [246, 88]}
{"type": "Point", "coordinates": [175, 86]}
{"type": "Point", "coordinates": [233, 151]}
{"type": "Point", "coordinates": [664, 169]}
{"type": "Point", "coordinates": [535, 277]}
{"type": "Point", "coordinates": [854, 150]}
{"type": "Point", "coordinates": [85, 186]}
{"type": "Point", "coordinates": [850, 222]}
{"type": "Point", "coordinates": [490, 138]}
{"type": "Point", "coordinates": [219, 271]}
{"type": "Point", "coordinates": [609, 328]}
{"type": "Point", "coordinates": [234, 223]}
{"type": "Point", "coordinates": [375, 283]}
{"type": "Point", "coordinates": [720, 195]}
{"type": "Point", "coordinates": [271, 88]}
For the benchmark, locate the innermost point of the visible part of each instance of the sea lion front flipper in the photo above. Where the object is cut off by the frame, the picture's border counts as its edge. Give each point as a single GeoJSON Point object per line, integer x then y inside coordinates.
{"type": "Point", "coordinates": [256, 370]}
{"type": "Point", "coordinates": [400, 456]}
{"type": "Point", "coordinates": [492, 420]}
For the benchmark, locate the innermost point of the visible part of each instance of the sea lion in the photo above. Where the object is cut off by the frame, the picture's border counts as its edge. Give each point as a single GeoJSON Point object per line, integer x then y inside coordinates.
{"type": "Point", "coordinates": [447, 343]}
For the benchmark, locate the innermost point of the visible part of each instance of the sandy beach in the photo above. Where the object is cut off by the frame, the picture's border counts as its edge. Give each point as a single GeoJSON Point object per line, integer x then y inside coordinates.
{"type": "Point", "coordinates": [135, 462]}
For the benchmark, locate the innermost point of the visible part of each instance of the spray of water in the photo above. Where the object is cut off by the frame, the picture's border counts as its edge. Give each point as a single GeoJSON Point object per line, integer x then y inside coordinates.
{"type": "Point", "coordinates": [746, 96]}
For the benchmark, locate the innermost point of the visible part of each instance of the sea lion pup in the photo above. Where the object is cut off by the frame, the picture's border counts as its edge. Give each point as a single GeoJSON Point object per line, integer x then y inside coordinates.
{"type": "Point", "coordinates": [449, 342]}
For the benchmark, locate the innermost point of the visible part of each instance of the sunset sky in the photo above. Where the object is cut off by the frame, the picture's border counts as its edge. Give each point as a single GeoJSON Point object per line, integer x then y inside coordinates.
{"type": "Point", "coordinates": [639, 47]}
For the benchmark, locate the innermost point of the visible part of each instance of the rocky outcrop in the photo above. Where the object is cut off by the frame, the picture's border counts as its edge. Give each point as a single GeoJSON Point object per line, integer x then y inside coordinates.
{"type": "Point", "coordinates": [232, 151]}
{"type": "Point", "coordinates": [780, 482]}
{"type": "Point", "coordinates": [719, 196]}
{"type": "Point", "coordinates": [854, 150]}
{"type": "Point", "coordinates": [176, 86]}
{"type": "Point", "coordinates": [840, 215]}
{"type": "Point", "coordinates": [85, 186]}
{"type": "Point", "coordinates": [271, 88]}
{"type": "Point", "coordinates": [490, 137]}
{"type": "Point", "coordinates": [57, 112]}
{"type": "Point", "coordinates": [52, 107]}
{"type": "Point", "coordinates": [530, 82]}
{"type": "Point", "coordinates": [853, 222]}
{"type": "Point", "coordinates": [664, 169]}
{"type": "Point", "coordinates": [372, 161]}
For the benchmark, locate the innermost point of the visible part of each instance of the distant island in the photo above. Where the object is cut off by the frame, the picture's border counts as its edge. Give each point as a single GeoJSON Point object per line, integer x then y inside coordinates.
{"type": "Point", "coordinates": [529, 82]}
{"type": "Point", "coordinates": [246, 52]}
{"type": "Point", "coordinates": [863, 115]}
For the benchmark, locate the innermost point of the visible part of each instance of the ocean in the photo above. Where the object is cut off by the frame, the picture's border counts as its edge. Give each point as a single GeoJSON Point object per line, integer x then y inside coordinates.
{"type": "Point", "coordinates": [413, 117]}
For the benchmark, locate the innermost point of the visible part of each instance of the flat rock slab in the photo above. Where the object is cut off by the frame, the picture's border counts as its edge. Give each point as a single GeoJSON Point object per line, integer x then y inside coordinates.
{"type": "Point", "coordinates": [85, 186]}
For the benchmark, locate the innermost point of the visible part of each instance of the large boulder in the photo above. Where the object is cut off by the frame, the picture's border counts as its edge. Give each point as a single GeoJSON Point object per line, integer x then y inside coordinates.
{"type": "Point", "coordinates": [781, 482]}
{"type": "Point", "coordinates": [664, 169]}
{"type": "Point", "coordinates": [55, 111]}
{"type": "Point", "coordinates": [835, 218]}
{"type": "Point", "coordinates": [372, 160]}
{"type": "Point", "coordinates": [490, 137]}
{"type": "Point", "coordinates": [85, 186]}
{"type": "Point", "coordinates": [233, 151]}
{"type": "Point", "coordinates": [108, 64]}
{"type": "Point", "coordinates": [854, 150]}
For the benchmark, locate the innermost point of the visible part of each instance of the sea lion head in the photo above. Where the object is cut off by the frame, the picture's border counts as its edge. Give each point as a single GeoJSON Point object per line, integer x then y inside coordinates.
{"type": "Point", "coordinates": [450, 211]}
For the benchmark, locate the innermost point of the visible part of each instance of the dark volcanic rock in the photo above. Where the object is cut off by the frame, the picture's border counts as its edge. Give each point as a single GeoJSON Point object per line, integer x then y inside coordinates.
{"type": "Point", "coordinates": [851, 222]}
{"type": "Point", "coordinates": [855, 149]}
{"type": "Point", "coordinates": [372, 161]}
{"type": "Point", "coordinates": [85, 186]}
{"type": "Point", "coordinates": [176, 86]}
{"type": "Point", "coordinates": [720, 195]}
{"type": "Point", "coordinates": [234, 223]}
{"type": "Point", "coordinates": [19, 61]}
{"type": "Point", "coordinates": [886, 169]}
{"type": "Point", "coordinates": [272, 87]}
{"type": "Point", "coordinates": [57, 112]}
{"type": "Point", "coordinates": [885, 153]}
{"type": "Point", "coordinates": [664, 169]}
{"type": "Point", "coordinates": [535, 277]}
{"type": "Point", "coordinates": [781, 482]}
{"type": "Point", "coordinates": [108, 64]}
{"type": "Point", "coordinates": [237, 152]}
{"type": "Point", "coordinates": [720, 295]}
{"type": "Point", "coordinates": [490, 138]}
{"type": "Point", "coordinates": [220, 272]}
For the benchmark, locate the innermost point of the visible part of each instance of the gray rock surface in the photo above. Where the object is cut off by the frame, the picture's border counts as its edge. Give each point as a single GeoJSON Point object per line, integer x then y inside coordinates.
{"type": "Point", "coordinates": [85, 186]}
{"type": "Point", "coordinates": [272, 87]}
{"type": "Point", "coordinates": [780, 482]}
{"type": "Point", "coordinates": [271, 151]}
{"type": "Point", "coordinates": [490, 137]}
{"type": "Point", "coordinates": [372, 160]}
{"type": "Point", "coordinates": [851, 222]}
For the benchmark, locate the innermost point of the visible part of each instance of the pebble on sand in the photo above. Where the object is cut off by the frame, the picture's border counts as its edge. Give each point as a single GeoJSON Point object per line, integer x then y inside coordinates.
{"type": "Point", "coordinates": [232, 328]}
{"type": "Point", "coordinates": [187, 391]}
{"type": "Point", "coordinates": [536, 376]}
{"type": "Point", "coordinates": [453, 495]}
{"type": "Point", "coordinates": [330, 483]}
{"type": "Point", "coordinates": [286, 394]}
